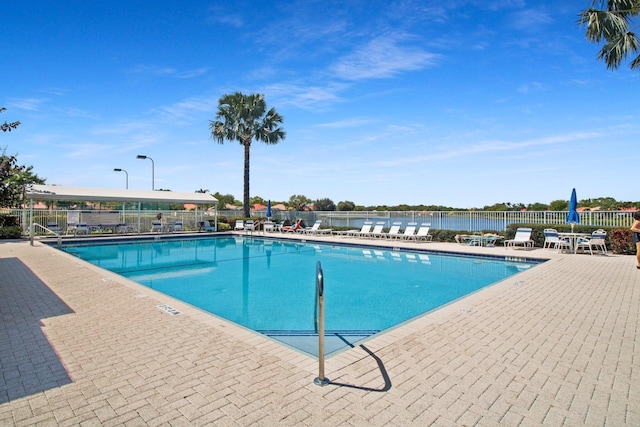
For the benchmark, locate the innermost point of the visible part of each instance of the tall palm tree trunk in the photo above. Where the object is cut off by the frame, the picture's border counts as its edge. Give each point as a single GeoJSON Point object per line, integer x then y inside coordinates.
{"type": "Point", "coordinates": [245, 201]}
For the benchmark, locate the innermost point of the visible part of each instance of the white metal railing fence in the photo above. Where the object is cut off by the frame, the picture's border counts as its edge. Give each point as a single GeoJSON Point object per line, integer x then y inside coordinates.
{"type": "Point", "coordinates": [439, 220]}
{"type": "Point", "coordinates": [448, 220]}
{"type": "Point", "coordinates": [142, 223]}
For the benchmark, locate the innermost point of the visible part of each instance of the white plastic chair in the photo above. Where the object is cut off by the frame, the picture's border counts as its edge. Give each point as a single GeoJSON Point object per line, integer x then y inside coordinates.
{"type": "Point", "coordinates": [553, 240]}
{"type": "Point", "coordinates": [597, 241]}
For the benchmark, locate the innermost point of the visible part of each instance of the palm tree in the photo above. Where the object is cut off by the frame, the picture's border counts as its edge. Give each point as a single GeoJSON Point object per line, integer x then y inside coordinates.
{"type": "Point", "coordinates": [244, 118]}
{"type": "Point", "coordinates": [608, 21]}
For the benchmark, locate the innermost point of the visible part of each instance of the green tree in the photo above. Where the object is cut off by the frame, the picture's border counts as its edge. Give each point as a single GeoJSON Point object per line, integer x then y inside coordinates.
{"type": "Point", "coordinates": [299, 202]}
{"type": "Point", "coordinates": [225, 199]}
{"type": "Point", "coordinates": [559, 205]}
{"type": "Point", "coordinates": [8, 127]}
{"type": "Point", "coordinates": [608, 21]}
{"type": "Point", "coordinates": [13, 178]}
{"type": "Point", "coordinates": [324, 205]}
{"type": "Point", "coordinates": [244, 118]}
{"type": "Point", "coordinates": [346, 206]}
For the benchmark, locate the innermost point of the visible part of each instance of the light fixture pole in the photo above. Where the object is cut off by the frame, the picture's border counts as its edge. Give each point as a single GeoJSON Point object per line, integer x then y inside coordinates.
{"type": "Point", "coordinates": [126, 176]}
{"type": "Point", "coordinates": [140, 156]}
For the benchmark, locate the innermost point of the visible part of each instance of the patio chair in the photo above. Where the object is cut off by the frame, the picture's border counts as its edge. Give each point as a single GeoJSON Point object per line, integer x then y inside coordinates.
{"type": "Point", "coordinates": [552, 240]}
{"type": "Point", "coordinates": [249, 225]}
{"type": "Point", "coordinates": [410, 231]}
{"type": "Point", "coordinates": [268, 226]}
{"type": "Point", "coordinates": [54, 227]}
{"type": "Point", "coordinates": [394, 231]}
{"type": "Point", "coordinates": [279, 226]}
{"type": "Point", "coordinates": [177, 226]}
{"type": "Point", "coordinates": [366, 228]}
{"type": "Point", "coordinates": [315, 229]}
{"type": "Point", "coordinates": [82, 228]}
{"type": "Point", "coordinates": [377, 230]}
{"type": "Point", "coordinates": [205, 226]}
{"type": "Point", "coordinates": [597, 240]}
{"type": "Point", "coordinates": [423, 233]}
{"type": "Point", "coordinates": [239, 225]}
{"type": "Point", "coordinates": [292, 228]}
{"type": "Point", "coordinates": [156, 226]}
{"type": "Point", "coordinates": [522, 237]}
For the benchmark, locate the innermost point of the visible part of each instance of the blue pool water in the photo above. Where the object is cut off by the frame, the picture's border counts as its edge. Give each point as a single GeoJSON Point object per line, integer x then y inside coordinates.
{"type": "Point", "coordinates": [268, 285]}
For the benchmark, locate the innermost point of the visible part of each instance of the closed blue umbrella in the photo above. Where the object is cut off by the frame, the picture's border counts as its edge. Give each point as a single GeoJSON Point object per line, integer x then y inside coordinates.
{"type": "Point", "coordinates": [573, 217]}
{"type": "Point", "coordinates": [269, 209]}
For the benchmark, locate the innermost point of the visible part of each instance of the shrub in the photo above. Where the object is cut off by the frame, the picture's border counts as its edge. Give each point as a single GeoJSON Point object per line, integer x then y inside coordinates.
{"type": "Point", "coordinates": [13, 232]}
{"type": "Point", "coordinates": [621, 241]}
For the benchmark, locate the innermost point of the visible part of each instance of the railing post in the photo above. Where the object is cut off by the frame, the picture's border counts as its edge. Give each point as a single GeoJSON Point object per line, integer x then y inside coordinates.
{"type": "Point", "coordinates": [321, 380]}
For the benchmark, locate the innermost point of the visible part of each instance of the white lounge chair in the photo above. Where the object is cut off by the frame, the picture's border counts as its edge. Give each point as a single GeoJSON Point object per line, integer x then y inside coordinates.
{"type": "Point", "coordinates": [423, 233]}
{"type": "Point", "coordinates": [377, 230]}
{"type": "Point", "coordinates": [410, 231]}
{"type": "Point", "coordinates": [239, 225]}
{"type": "Point", "coordinates": [82, 228]}
{"type": "Point", "coordinates": [156, 226]}
{"type": "Point", "coordinates": [597, 240]}
{"type": "Point", "coordinates": [522, 237]}
{"type": "Point", "coordinates": [315, 229]}
{"type": "Point", "coordinates": [394, 231]}
{"type": "Point", "coordinates": [366, 227]}
{"type": "Point", "coordinates": [54, 227]}
{"type": "Point", "coordinates": [249, 225]}
{"type": "Point", "coordinates": [268, 226]}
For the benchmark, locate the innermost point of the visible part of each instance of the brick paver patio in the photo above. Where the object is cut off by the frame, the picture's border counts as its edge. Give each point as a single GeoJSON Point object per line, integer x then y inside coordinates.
{"type": "Point", "coordinates": [554, 345]}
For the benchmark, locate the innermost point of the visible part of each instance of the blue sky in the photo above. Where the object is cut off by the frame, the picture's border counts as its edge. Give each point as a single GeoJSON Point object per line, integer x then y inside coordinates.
{"type": "Point", "coordinates": [457, 103]}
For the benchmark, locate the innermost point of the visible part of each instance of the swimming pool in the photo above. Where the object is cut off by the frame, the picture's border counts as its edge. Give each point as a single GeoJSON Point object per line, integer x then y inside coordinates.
{"type": "Point", "coordinates": [268, 285]}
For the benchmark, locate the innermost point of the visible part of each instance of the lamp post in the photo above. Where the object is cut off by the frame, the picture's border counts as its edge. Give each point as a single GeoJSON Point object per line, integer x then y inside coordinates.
{"type": "Point", "coordinates": [126, 176]}
{"type": "Point", "coordinates": [140, 156]}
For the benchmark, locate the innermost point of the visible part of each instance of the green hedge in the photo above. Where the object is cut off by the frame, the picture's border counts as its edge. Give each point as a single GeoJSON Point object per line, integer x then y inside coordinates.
{"type": "Point", "coordinates": [619, 240]}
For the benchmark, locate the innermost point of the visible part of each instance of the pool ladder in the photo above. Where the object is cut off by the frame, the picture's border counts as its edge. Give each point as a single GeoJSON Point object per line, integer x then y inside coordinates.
{"type": "Point", "coordinates": [318, 321]}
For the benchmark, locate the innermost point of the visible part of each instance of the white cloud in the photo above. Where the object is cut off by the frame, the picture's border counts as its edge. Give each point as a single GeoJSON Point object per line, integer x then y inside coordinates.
{"type": "Point", "coordinates": [383, 57]}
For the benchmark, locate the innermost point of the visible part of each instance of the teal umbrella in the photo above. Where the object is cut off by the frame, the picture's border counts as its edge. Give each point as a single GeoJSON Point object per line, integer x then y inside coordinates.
{"type": "Point", "coordinates": [573, 217]}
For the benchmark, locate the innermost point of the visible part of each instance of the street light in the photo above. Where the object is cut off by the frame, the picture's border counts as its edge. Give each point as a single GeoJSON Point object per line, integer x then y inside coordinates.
{"type": "Point", "coordinates": [126, 174]}
{"type": "Point", "coordinates": [140, 156]}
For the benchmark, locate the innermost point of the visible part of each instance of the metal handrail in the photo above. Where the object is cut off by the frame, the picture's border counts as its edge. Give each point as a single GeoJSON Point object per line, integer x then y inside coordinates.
{"type": "Point", "coordinates": [59, 236]}
{"type": "Point", "coordinates": [321, 380]}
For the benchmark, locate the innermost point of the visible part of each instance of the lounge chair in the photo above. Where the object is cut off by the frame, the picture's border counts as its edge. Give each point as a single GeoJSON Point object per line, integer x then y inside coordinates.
{"type": "Point", "coordinates": [279, 226]}
{"type": "Point", "coordinates": [394, 231]}
{"type": "Point", "coordinates": [82, 228]}
{"type": "Point", "coordinates": [410, 231]}
{"type": "Point", "coordinates": [54, 227]}
{"type": "Point", "coordinates": [239, 225]}
{"type": "Point", "coordinates": [423, 233]}
{"type": "Point", "coordinates": [177, 226]}
{"type": "Point", "coordinates": [366, 229]}
{"type": "Point", "coordinates": [315, 229]}
{"type": "Point", "coordinates": [249, 225]}
{"type": "Point", "coordinates": [377, 230]}
{"type": "Point", "coordinates": [269, 226]}
{"type": "Point", "coordinates": [292, 228]}
{"type": "Point", "coordinates": [597, 240]}
{"type": "Point", "coordinates": [522, 237]}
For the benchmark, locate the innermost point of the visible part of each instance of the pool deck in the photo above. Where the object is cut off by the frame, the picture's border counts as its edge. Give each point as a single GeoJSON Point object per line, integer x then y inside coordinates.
{"type": "Point", "coordinates": [556, 345]}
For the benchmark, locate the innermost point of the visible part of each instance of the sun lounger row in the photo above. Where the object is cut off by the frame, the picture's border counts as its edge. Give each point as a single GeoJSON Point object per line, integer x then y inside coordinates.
{"type": "Point", "coordinates": [369, 230]}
